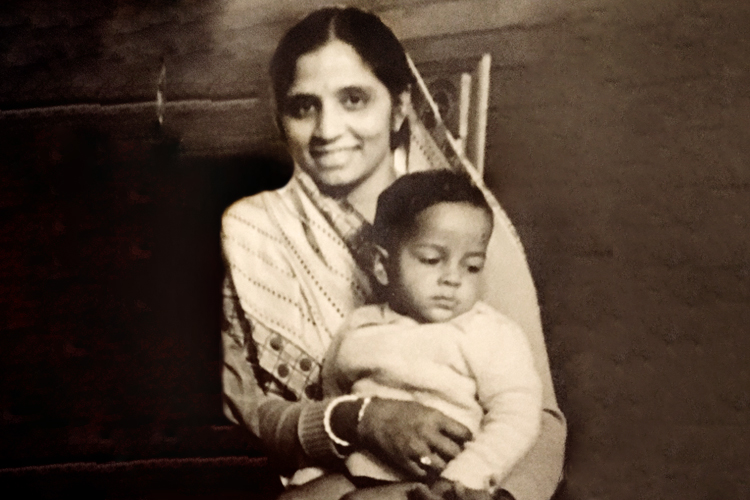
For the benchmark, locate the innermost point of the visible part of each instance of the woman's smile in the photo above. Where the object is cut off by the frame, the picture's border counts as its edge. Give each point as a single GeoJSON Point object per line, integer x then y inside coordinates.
{"type": "Point", "coordinates": [333, 157]}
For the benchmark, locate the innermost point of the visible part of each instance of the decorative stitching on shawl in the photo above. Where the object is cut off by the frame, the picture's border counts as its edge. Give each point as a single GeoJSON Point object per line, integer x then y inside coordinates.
{"type": "Point", "coordinates": [253, 226]}
{"type": "Point", "coordinates": [264, 287]}
{"type": "Point", "coordinates": [291, 246]}
{"type": "Point", "coordinates": [286, 241]}
{"type": "Point", "coordinates": [277, 295]}
{"type": "Point", "coordinates": [347, 222]}
{"type": "Point", "coordinates": [343, 217]}
{"type": "Point", "coordinates": [328, 265]}
{"type": "Point", "coordinates": [307, 224]}
{"type": "Point", "coordinates": [260, 256]}
{"type": "Point", "coordinates": [289, 357]}
{"type": "Point", "coordinates": [337, 240]}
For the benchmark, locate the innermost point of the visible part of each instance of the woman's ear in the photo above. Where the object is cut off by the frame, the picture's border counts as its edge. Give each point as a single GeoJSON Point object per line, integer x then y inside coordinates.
{"type": "Point", "coordinates": [379, 265]}
{"type": "Point", "coordinates": [400, 109]}
{"type": "Point", "coordinates": [280, 126]}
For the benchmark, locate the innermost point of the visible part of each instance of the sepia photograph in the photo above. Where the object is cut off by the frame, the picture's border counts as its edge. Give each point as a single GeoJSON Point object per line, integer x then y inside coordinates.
{"type": "Point", "coordinates": [375, 249]}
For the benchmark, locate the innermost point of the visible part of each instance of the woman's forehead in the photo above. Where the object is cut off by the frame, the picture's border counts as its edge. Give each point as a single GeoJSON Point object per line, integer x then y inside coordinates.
{"type": "Point", "coordinates": [333, 66]}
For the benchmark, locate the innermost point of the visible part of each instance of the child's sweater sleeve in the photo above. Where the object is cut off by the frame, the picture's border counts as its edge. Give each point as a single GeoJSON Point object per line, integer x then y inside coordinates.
{"type": "Point", "coordinates": [510, 392]}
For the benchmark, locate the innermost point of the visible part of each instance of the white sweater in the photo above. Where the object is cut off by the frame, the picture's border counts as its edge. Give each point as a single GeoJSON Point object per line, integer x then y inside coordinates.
{"type": "Point", "coordinates": [476, 368]}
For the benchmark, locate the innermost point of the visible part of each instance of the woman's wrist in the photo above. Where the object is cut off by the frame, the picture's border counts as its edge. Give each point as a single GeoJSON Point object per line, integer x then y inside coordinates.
{"type": "Point", "coordinates": [342, 418]}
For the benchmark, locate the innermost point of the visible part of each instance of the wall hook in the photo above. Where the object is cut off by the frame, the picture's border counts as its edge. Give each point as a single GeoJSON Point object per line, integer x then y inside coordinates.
{"type": "Point", "coordinates": [160, 100]}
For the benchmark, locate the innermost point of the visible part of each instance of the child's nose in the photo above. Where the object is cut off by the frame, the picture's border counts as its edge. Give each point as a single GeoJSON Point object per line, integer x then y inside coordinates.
{"type": "Point", "coordinates": [451, 275]}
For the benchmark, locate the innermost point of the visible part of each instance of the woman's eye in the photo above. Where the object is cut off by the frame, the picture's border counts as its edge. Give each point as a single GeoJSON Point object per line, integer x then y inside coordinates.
{"type": "Point", "coordinates": [354, 99]}
{"type": "Point", "coordinates": [474, 269]}
{"type": "Point", "coordinates": [300, 106]}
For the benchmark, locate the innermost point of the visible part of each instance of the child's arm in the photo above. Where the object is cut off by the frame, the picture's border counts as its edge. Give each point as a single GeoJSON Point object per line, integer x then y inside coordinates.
{"type": "Point", "coordinates": [510, 392]}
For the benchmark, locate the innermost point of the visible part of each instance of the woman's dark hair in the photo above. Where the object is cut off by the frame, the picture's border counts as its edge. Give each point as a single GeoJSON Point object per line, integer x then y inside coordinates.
{"type": "Point", "coordinates": [411, 194]}
{"type": "Point", "coordinates": [365, 32]}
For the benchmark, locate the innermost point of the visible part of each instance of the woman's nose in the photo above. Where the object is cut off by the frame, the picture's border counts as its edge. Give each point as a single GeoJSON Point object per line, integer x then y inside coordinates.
{"type": "Point", "coordinates": [329, 123]}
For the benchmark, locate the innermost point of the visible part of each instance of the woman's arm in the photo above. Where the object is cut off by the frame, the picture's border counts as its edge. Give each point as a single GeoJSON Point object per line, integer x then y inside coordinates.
{"type": "Point", "coordinates": [291, 433]}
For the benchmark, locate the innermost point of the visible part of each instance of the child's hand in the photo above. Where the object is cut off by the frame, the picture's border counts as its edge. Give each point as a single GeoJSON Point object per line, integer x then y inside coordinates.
{"type": "Point", "coordinates": [451, 490]}
{"type": "Point", "coordinates": [461, 492]}
{"type": "Point", "coordinates": [443, 488]}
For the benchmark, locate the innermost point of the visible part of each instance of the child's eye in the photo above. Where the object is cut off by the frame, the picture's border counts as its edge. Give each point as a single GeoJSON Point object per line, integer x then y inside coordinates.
{"type": "Point", "coordinates": [430, 261]}
{"type": "Point", "coordinates": [475, 265]}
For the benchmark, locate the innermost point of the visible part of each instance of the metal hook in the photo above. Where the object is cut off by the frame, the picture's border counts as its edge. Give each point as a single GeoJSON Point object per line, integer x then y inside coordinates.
{"type": "Point", "coordinates": [160, 84]}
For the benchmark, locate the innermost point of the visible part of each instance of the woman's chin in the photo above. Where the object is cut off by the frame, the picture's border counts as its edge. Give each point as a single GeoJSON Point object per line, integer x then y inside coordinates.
{"type": "Point", "coordinates": [331, 179]}
{"type": "Point", "coordinates": [333, 184]}
{"type": "Point", "coordinates": [334, 176]}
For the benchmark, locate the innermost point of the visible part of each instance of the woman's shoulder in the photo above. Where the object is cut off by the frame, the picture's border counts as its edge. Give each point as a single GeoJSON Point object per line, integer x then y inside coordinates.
{"type": "Point", "coordinates": [251, 235]}
{"type": "Point", "coordinates": [248, 211]}
{"type": "Point", "coordinates": [249, 205]}
{"type": "Point", "coordinates": [254, 209]}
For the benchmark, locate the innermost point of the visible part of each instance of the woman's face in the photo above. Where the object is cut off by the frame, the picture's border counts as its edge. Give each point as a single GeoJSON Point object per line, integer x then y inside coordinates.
{"type": "Point", "coordinates": [338, 117]}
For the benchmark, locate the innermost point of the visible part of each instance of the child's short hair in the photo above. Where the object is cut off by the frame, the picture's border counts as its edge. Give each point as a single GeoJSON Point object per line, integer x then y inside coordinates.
{"type": "Point", "coordinates": [401, 203]}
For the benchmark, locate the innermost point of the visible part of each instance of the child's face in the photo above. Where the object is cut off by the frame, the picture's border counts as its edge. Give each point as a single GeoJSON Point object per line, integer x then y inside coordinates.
{"type": "Point", "coordinates": [435, 274]}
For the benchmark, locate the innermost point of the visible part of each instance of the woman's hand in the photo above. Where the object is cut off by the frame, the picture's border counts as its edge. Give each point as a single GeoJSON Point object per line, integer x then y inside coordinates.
{"type": "Point", "coordinates": [403, 433]}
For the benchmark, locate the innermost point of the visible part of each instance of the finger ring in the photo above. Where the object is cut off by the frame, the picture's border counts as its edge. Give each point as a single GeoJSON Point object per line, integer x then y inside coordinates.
{"type": "Point", "coordinates": [425, 460]}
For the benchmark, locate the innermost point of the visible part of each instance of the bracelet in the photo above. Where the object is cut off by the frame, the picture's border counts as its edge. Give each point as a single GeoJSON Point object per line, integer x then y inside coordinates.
{"type": "Point", "coordinates": [327, 419]}
{"type": "Point", "coordinates": [361, 413]}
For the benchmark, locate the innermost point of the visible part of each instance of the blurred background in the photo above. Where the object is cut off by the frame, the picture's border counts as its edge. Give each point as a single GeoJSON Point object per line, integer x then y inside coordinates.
{"type": "Point", "coordinates": [617, 142]}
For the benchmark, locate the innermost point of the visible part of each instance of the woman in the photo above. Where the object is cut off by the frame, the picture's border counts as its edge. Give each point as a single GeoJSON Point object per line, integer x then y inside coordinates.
{"type": "Point", "coordinates": [343, 89]}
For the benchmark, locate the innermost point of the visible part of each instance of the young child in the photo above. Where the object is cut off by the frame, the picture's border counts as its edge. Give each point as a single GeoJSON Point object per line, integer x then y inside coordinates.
{"type": "Point", "coordinates": [432, 340]}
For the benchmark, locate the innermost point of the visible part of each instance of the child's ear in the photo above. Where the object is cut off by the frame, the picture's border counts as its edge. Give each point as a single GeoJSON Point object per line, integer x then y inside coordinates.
{"type": "Point", "coordinates": [378, 265]}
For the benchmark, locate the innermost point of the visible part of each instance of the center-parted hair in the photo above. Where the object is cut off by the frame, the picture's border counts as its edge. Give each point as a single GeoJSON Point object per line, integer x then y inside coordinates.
{"type": "Point", "coordinates": [411, 194]}
{"type": "Point", "coordinates": [363, 31]}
